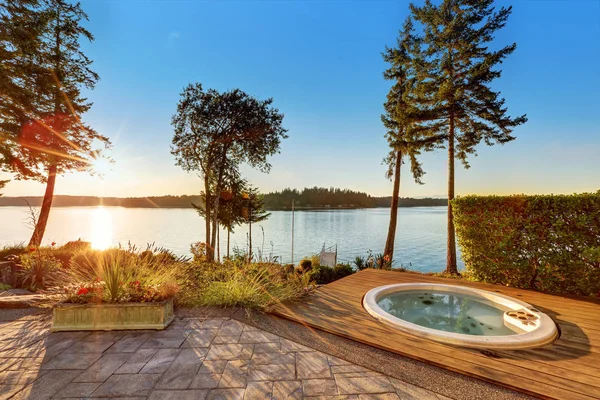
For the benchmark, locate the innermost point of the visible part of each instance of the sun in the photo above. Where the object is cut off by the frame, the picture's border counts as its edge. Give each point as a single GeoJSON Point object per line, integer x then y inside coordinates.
{"type": "Point", "coordinates": [101, 229]}
{"type": "Point", "coordinates": [101, 166]}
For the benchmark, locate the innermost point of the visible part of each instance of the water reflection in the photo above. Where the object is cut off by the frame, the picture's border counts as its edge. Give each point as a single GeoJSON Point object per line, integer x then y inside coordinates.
{"type": "Point", "coordinates": [420, 236]}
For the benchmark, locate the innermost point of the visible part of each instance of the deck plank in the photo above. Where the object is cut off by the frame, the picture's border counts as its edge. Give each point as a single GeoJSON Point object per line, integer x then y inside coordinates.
{"type": "Point", "coordinates": [568, 368]}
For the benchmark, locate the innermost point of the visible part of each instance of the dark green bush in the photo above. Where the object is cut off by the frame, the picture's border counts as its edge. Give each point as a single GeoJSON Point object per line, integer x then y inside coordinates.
{"type": "Point", "coordinates": [549, 243]}
{"type": "Point", "coordinates": [323, 274]}
{"type": "Point", "coordinates": [306, 265]}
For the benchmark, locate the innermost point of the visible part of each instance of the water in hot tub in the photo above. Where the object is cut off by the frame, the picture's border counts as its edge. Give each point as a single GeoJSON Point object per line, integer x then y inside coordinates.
{"type": "Point", "coordinates": [450, 312]}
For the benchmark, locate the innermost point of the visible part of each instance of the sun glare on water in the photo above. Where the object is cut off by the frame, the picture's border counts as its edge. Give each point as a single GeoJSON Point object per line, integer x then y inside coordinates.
{"type": "Point", "coordinates": [101, 229]}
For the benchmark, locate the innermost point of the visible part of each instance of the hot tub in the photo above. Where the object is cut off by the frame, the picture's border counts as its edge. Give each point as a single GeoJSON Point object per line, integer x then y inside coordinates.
{"type": "Point", "coordinates": [461, 316]}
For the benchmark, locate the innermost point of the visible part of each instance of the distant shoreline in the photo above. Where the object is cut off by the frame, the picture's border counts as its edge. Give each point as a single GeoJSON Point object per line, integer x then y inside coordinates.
{"type": "Point", "coordinates": [186, 202]}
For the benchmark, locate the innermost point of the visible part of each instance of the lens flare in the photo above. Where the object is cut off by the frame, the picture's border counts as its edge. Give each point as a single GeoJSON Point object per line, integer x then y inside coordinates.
{"type": "Point", "coordinates": [101, 229]}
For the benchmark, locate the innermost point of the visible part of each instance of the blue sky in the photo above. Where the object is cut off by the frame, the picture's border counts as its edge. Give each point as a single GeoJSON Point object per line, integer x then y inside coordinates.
{"type": "Point", "coordinates": [321, 63]}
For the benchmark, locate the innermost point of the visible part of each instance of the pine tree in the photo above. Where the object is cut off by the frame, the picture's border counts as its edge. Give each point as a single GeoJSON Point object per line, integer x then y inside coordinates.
{"type": "Point", "coordinates": [21, 26]}
{"type": "Point", "coordinates": [454, 80]}
{"type": "Point", "coordinates": [254, 213]}
{"type": "Point", "coordinates": [401, 120]}
{"type": "Point", "coordinates": [52, 138]}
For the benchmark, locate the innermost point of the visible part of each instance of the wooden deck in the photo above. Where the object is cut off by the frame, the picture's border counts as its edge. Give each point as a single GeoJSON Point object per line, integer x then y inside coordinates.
{"type": "Point", "coordinates": [567, 369]}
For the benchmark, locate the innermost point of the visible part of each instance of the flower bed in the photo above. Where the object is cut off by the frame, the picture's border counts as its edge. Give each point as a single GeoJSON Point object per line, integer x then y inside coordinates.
{"type": "Point", "coordinates": [118, 289]}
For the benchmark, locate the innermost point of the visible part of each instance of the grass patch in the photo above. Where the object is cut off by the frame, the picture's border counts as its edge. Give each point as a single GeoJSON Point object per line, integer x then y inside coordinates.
{"type": "Point", "coordinates": [235, 283]}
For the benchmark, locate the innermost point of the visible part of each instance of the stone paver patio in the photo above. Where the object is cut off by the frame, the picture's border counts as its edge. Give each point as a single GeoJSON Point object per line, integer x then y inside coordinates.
{"type": "Point", "coordinates": [215, 358]}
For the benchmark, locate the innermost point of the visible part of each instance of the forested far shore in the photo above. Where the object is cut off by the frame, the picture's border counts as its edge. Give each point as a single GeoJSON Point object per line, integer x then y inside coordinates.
{"type": "Point", "coordinates": [273, 201]}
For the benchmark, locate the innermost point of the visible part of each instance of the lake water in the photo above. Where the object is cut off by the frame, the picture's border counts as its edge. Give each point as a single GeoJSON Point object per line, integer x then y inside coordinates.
{"type": "Point", "coordinates": [420, 236]}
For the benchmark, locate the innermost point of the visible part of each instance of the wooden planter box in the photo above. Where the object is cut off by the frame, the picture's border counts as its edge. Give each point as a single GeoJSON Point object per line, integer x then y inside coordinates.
{"type": "Point", "coordinates": [109, 317]}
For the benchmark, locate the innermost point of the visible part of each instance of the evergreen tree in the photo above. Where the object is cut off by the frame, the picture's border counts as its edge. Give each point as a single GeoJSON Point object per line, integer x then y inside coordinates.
{"type": "Point", "coordinates": [49, 137]}
{"type": "Point", "coordinates": [401, 120]}
{"type": "Point", "coordinates": [254, 212]}
{"type": "Point", "coordinates": [456, 71]}
{"type": "Point", "coordinates": [21, 26]}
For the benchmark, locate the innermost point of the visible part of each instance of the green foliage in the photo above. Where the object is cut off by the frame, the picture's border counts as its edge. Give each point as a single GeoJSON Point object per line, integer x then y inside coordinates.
{"type": "Point", "coordinates": [215, 132]}
{"type": "Point", "coordinates": [41, 270]}
{"type": "Point", "coordinates": [550, 243]}
{"type": "Point", "coordinates": [4, 286]}
{"type": "Point", "coordinates": [360, 262]}
{"type": "Point", "coordinates": [236, 283]}
{"type": "Point", "coordinates": [456, 66]}
{"type": "Point", "coordinates": [119, 275]}
{"type": "Point", "coordinates": [14, 250]}
{"type": "Point", "coordinates": [306, 264]}
{"type": "Point", "coordinates": [323, 274]}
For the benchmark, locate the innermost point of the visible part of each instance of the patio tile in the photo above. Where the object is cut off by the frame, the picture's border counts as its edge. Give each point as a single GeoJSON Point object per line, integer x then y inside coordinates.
{"type": "Point", "coordinates": [312, 366]}
{"type": "Point", "coordinates": [213, 323]}
{"type": "Point", "coordinates": [235, 374]}
{"type": "Point", "coordinates": [130, 368]}
{"type": "Point", "coordinates": [92, 346]}
{"type": "Point", "coordinates": [178, 376]}
{"type": "Point", "coordinates": [200, 338]}
{"type": "Point", "coordinates": [47, 385]}
{"type": "Point", "coordinates": [128, 344]}
{"type": "Point", "coordinates": [221, 339]}
{"type": "Point", "coordinates": [258, 337]}
{"type": "Point", "coordinates": [7, 391]}
{"type": "Point", "coordinates": [213, 367]}
{"type": "Point", "coordinates": [363, 385]}
{"type": "Point", "coordinates": [259, 390]}
{"type": "Point", "coordinates": [127, 385]}
{"type": "Point", "coordinates": [337, 361]}
{"type": "Point", "coordinates": [288, 346]}
{"type": "Point", "coordinates": [160, 362]}
{"type": "Point", "coordinates": [271, 347]}
{"type": "Point", "coordinates": [319, 387]}
{"type": "Point", "coordinates": [287, 390]}
{"type": "Point", "coordinates": [77, 390]}
{"type": "Point", "coordinates": [382, 396]}
{"type": "Point", "coordinates": [103, 368]}
{"type": "Point", "coordinates": [273, 358]}
{"type": "Point", "coordinates": [342, 369]}
{"type": "Point", "coordinates": [230, 352]}
{"type": "Point", "coordinates": [277, 372]}
{"type": "Point", "coordinates": [162, 343]}
{"type": "Point", "coordinates": [226, 394]}
{"type": "Point", "coordinates": [72, 361]}
{"type": "Point", "coordinates": [205, 381]}
{"type": "Point", "coordinates": [23, 364]}
{"type": "Point", "coordinates": [178, 395]}
{"type": "Point", "coordinates": [231, 327]}
{"type": "Point", "coordinates": [22, 378]}
{"type": "Point", "coordinates": [142, 355]}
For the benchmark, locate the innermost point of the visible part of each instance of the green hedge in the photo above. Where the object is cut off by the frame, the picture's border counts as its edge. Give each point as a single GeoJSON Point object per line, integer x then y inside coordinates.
{"type": "Point", "coordinates": [549, 243]}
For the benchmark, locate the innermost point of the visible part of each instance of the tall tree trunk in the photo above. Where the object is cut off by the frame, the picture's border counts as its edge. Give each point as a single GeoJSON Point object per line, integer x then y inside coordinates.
{"type": "Point", "coordinates": [40, 226]}
{"type": "Point", "coordinates": [207, 219]}
{"type": "Point", "coordinates": [391, 236]}
{"type": "Point", "coordinates": [217, 199]}
{"type": "Point", "coordinates": [218, 244]}
{"type": "Point", "coordinates": [451, 267]}
{"type": "Point", "coordinates": [228, 235]}
{"type": "Point", "coordinates": [250, 239]}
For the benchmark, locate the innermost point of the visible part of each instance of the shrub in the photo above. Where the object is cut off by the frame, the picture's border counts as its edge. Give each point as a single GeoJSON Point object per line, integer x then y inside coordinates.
{"type": "Point", "coordinates": [550, 243]}
{"type": "Point", "coordinates": [41, 270]}
{"type": "Point", "coordinates": [360, 263]}
{"type": "Point", "coordinates": [119, 275]}
{"type": "Point", "coordinates": [306, 265]}
{"type": "Point", "coordinates": [323, 274]}
{"type": "Point", "coordinates": [15, 250]}
{"type": "Point", "coordinates": [237, 283]}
